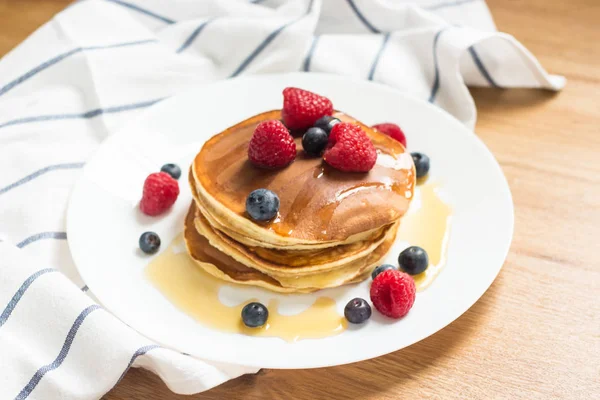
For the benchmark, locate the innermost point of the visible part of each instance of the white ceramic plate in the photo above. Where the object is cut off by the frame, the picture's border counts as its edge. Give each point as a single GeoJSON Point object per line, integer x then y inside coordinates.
{"type": "Point", "coordinates": [104, 224]}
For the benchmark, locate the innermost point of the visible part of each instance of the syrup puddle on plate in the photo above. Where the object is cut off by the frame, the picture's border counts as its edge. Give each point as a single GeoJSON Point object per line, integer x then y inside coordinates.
{"type": "Point", "coordinates": [428, 226]}
{"type": "Point", "coordinates": [196, 292]}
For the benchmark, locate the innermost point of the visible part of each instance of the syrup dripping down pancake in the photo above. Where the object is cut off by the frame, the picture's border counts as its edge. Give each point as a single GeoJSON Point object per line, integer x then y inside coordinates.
{"type": "Point", "coordinates": [320, 206]}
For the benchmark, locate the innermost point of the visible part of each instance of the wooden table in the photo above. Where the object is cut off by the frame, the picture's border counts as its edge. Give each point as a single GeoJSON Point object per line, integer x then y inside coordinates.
{"type": "Point", "coordinates": [535, 334]}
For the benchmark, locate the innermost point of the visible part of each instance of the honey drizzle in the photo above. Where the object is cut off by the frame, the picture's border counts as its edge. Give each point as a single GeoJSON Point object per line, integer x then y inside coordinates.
{"type": "Point", "coordinates": [284, 225]}
{"type": "Point", "coordinates": [428, 227]}
{"type": "Point", "coordinates": [196, 293]}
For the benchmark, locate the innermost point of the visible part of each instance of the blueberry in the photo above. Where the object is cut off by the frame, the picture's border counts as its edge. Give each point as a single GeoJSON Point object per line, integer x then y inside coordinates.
{"type": "Point", "coordinates": [149, 242]}
{"type": "Point", "coordinates": [254, 315]}
{"type": "Point", "coordinates": [421, 164]}
{"type": "Point", "coordinates": [172, 169]}
{"type": "Point", "coordinates": [327, 123]}
{"type": "Point", "coordinates": [357, 311]}
{"type": "Point", "coordinates": [314, 141]}
{"type": "Point", "coordinates": [380, 269]}
{"type": "Point", "coordinates": [262, 204]}
{"type": "Point", "coordinates": [413, 260]}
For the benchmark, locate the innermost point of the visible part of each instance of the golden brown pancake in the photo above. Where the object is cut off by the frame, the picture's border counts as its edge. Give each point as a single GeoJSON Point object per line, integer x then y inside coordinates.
{"type": "Point", "coordinates": [201, 250]}
{"type": "Point", "coordinates": [319, 206]}
{"type": "Point", "coordinates": [215, 261]}
{"type": "Point", "coordinates": [289, 257]}
{"type": "Point", "coordinates": [332, 228]}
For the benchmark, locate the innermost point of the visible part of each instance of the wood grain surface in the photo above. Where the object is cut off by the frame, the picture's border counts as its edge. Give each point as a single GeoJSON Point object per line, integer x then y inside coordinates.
{"type": "Point", "coordinates": [535, 334]}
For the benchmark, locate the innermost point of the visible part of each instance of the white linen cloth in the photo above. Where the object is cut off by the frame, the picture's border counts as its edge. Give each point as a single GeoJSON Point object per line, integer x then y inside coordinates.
{"type": "Point", "coordinates": [98, 63]}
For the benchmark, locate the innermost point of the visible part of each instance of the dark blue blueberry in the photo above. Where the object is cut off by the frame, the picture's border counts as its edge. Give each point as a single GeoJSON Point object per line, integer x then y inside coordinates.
{"type": "Point", "coordinates": [380, 269]}
{"type": "Point", "coordinates": [357, 311]}
{"type": "Point", "coordinates": [172, 169]}
{"type": "Point", "coordinates": [327, 123]}
{"type": "Point", "coordinates": [149, 242]}
{"type": "Point", "coordinates": [314, 141]}
{"type": "Point", "coordinates": [254, 315]}
{"type": "Point", "coordinates": [421, 164]}
{"type": "Point", "coordinates": [413, 260]}
{"type": "Point", "coordinates": [262, 205]}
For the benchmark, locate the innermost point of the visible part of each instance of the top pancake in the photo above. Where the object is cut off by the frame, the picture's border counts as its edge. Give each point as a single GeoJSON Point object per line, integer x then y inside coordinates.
{"type": "Point", "coordinates": [318, 204]}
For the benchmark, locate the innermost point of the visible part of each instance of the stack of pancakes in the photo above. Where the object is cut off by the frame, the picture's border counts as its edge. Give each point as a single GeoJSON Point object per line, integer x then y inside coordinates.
{"type": "Point", "coordinates": [332, 228]}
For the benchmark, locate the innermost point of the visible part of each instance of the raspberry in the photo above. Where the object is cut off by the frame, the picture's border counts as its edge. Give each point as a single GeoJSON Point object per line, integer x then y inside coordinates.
{"type": "Point", "coordinates": [271, 145]}
{"type": "Point", "coordinates": [393, 293]}
{"type": "Point", "coordinates": [392, 130]}
{"type": "Point", "coordinates": [160, 192]}
{"type": "Point", "coordinates": [301, 108]}
{"type": "Point", "coordinates": [350, 149]}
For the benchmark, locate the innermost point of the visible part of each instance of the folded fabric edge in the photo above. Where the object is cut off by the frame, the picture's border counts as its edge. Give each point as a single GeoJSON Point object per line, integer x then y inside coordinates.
{"type": "Point", "coordinates": [182, 373]}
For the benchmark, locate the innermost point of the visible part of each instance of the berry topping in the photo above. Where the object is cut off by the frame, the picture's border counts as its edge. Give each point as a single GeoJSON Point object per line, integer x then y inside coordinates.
{"type": "Point", "coordinates": [301, 108]}
{"type": "Point", "coordinates": [262, 205]}
{"type": "Point", "coordinates": [271, 145]}
{"type": "Point", "coordinates": [393, 131]}
{"type": "Point", "coordinates": [149, 242]}
{"type": "Point", "coordinates": [350, 149]}
{"type": "Point", "coordinates": [413, 260]}
{"type": "Point", "coordinates": [327, 123]}
{"type": "Point", "coordinates": [421, 164]}
{"type": "Point", "coordinates": [314, 141]}
{"type": "Point", "coordinates": [254, 315]}
{"type": "Point", "coordinates": [357, 311]}
{"type": "Point", "coordinates": [160, 192]}
{"type": "Point", "coordinates": [380, 269]}
{"type": "Point", "coordinates": [393, 293]}
{"type": "Point", "coordinates": [172, 169]}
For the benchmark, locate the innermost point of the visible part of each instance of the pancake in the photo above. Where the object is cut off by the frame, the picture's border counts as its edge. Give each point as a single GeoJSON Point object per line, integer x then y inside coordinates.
{"type": "Point", "coordinates": [320, 206]}
{"type": "Point", "coordinates": [219, 264]}
{"type": "Point", "coordinates": [332, 227]}
{"type": "Point", "coordinates": [289, 257]}
{"type": "Point", "coordinates": [221, 225]}
{"type": "Point", "coordinates": [208, 253]}
{"type": "Point", "coordinates": [247, 257]}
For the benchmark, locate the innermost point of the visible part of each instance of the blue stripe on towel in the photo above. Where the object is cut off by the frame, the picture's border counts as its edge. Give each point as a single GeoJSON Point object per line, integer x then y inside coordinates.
{"type": "Point", "coordinates": [436, 78]}
{"type": "Point", "coordinates": [386, 38]}
{"type": "Point", "coordinates": [193, 36]}
{"type": "Point", "coordinates": [448, 4]}
{"type": "Point", "coordinates": [38, 173]}
{"type": "Point", "coordinates": [311, 51]}
{"type": "Point", "coordinates": [362, 18]}
{"type": "Point", "coordinates": [41, 236]}
{"type": "Point", "coordinates": [143, 11]}
{"type": "Point", "coordinates": [37, 377]}
{"type": "Point", "coordinates": [266, 42]}
{"type": "Point", "coordinates": [139, 352]}
{"type": "Point", "coordinates": [482, 69]}
{"type": "Point", "coordinates": [19, 294]}
{"type": "Point", "coordinates": [85, 115]}
{"type": "Point", "coordinates": [48, 63]}
{"type": "Point", "coordinates": [373, 29]}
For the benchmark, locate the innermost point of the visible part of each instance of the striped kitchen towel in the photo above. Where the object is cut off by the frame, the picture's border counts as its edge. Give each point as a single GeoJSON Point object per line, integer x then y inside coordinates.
{"type": "Point", "coordinates": [99, 63]}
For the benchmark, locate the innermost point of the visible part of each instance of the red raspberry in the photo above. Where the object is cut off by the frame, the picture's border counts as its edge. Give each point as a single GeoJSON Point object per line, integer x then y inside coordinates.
{"type": "Point", "coordinates": [350, 149]}
{"type": "Point", "coordinates": [393, 293]}
{"type": "Point", "coordinates": [301, 108]}
{"type": "Point", "coordinates": [392, 130]}
{"type": "Point", "coordinates": [160, 192]}
{"type": "Point", "coordinates": [271, 145]}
